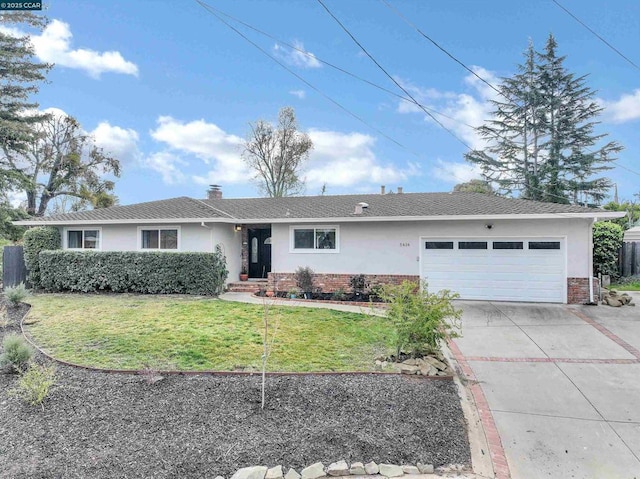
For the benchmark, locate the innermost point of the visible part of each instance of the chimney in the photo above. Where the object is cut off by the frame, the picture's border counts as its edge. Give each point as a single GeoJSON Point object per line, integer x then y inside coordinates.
{"type": "Point", "coordinates": [382, 189]}
{"type": "Point", "coordinates": [399, 190]}
{"type": "Point", "coordinates": [214, 193]}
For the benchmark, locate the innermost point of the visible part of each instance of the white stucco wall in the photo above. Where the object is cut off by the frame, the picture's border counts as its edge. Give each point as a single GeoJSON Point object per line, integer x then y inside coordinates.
{"type": "Point", "coordinates": [394, 247]}
{"type": "Point", "coordinates": [193, 238]}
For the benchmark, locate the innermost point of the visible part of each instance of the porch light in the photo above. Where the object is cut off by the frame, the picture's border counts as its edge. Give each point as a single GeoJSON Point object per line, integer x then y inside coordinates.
{"type": "Point", "coordinates": [238, 227]}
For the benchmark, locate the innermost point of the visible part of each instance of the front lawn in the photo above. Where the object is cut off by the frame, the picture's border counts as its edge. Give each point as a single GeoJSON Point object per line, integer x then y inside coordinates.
{"type": "Point", "coordinates": [158, 332]}
{"type": "Point", "coordinates": [634, 286]}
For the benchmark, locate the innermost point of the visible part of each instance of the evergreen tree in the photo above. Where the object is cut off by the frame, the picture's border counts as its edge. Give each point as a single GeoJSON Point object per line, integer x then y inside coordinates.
{"type": "Point", "coordinates": [20, 74]}
{"type": "Point", "coordinates": [541, 141]}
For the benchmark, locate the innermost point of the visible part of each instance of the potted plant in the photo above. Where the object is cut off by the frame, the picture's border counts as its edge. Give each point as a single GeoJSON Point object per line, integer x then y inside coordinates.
{"type": "Point", "coordinates": [293, 293]}
{"type": "Point", "coordinates": [244, 276]}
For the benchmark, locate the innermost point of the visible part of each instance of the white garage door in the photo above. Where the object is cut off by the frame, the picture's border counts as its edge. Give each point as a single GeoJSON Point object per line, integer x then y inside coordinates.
{"type": "Point", "coordinates": [501, 269]}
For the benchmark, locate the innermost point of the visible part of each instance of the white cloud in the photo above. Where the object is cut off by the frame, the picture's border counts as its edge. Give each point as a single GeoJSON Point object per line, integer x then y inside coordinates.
{"type": "Point", "coordinates": [121, 143]}
{"type": "Point", "coordinates": [463, 112]}
{"type": "Point", "coordinates": [627, 108]}
{"type": "Point", "coordinates": [453, 172]}
{"type": "Point", "coordinates": [298, 57]}
{"type": "Point", "coordinates": [301, 94]}
{"type": "Point", "coordinates": [53, 45]}
{"type": "Point", "coordinates": [207, 142]}
{"type": "Point", "coordinates": [168, 165]}
{"type": "Point", "coordinates": [348, 159]}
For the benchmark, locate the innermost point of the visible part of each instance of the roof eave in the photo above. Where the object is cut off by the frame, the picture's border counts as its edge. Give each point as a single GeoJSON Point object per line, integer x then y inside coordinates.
{"type": "Point", "coordinates": [597, 215]}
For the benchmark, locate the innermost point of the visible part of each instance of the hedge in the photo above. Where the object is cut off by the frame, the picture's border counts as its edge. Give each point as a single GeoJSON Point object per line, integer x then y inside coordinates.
{"type": "Point", "coordinates": [133, 272]}
{"type": "Point", "coordinates": [36, 240]}
{"type": "Point", "coordinates": [607, 240]}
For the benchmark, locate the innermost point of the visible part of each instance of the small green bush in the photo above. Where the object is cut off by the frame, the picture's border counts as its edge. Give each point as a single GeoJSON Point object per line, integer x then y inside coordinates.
{"type": "Point", "coordinates": [17, 352]}
{"type": "Point", "coordinates": [358, 283]}
{"type": "Point", "coordinates": [16, 294]}
{"type": "Point", "coordinates": [339, 294]}
{"type": "Point", "coordinates": [41, 238]}
{"type": "Point", "coordinates": [607, 240]}
{"type": "Point", "coordinates": [421, 319]}
{"type": "Point", "coordinates": [133, 272]}
{"type": "Point", "coordinates": [35, 384]}
{"type": "Point", "coordinates": [304, 279]}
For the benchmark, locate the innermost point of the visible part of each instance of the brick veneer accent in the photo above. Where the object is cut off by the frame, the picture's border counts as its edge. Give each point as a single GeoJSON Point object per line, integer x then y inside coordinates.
{"type": "Point", "coordinates": [332, 282]}
{"type": "Point", "coordinates": [578, 290]}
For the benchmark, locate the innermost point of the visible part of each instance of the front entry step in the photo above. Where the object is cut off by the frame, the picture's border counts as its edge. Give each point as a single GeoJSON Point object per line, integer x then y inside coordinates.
{"type": "Point", "coordinates": [247, 286]}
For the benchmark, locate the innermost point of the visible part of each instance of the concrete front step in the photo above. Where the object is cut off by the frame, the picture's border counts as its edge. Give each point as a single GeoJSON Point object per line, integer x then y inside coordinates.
{"type": "Point", "coordinates": [246, 286]}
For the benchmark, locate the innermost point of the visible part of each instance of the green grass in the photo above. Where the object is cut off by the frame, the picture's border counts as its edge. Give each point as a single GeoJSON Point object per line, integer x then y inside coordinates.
{"type": "Point", "coordinates": [635, 286]}
{"type": "Point", "coordinates": [133, 332]}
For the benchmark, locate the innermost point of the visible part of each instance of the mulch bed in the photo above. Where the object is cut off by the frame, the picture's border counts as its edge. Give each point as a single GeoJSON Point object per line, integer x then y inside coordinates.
{"type": "Point", "coordinates": [116, 425]}
{"type": "Point", "coordinates": [346, 298]}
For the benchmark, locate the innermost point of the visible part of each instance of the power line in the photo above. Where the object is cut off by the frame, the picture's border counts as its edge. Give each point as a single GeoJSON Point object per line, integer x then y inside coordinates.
{"type": "Point", "coordinates": [346, 30]}
{"type": "Point", "coordinates": [335, 67]}
{"type": "Point", "coordinates": [486, 82]}
{"type": "Point", "coordinates": [314, 88]}
{"type": "Point", "coordinates": [213, 12]}
{"type": "Point", "coordinates": [596, 34]}
{"type": "Point", "coordinates": [397, 12]}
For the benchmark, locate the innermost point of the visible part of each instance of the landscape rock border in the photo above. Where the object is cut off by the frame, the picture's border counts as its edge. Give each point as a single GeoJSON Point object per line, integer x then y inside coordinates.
{"type": "Point", "coordinates": [341, 469]}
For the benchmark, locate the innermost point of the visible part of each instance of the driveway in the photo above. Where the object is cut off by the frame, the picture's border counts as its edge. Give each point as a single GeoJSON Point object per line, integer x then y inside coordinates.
{"type": "Point", "coordinates": [557, 387]}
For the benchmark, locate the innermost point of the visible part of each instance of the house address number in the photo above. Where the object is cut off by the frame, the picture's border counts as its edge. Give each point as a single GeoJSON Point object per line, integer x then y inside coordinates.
{"type": "Point", "coordinates": [403, 245]}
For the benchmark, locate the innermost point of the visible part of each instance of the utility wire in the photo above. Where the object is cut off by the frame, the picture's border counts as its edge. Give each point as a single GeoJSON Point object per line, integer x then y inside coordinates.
{"type": "Point", "coordinates": [397, 12]}
{"type": "Point", "coordinates": [314, 88]}
{"type": "Point", "coordinates": [335, 67]}
{"type": "Point", "coordinates": [596, 34]}
{"type": "Point", "coordinates": [486, 82]}
{"type": "Point", "coordinates": [346, 30]}
{"type": "Point", "coordinates": [213, 12]}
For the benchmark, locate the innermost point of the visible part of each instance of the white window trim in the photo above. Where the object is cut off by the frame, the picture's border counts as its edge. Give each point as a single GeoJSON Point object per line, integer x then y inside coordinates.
{"type": "Point", "coordinates": [313, 250]}
{"type": "Point", "coordinates": [65, 238]}
{"type": "Point", "coordinates": [153, 227]}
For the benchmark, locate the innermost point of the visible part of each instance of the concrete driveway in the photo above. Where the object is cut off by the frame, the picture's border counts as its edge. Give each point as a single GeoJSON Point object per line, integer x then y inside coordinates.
{"type": "Point", "coordinates": [557, 387]}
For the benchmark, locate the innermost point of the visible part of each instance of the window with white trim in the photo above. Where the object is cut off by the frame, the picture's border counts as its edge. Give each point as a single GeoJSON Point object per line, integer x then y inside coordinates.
{"type": "Point", "coordinates": [83, 238]}
{"type": "Point", "coordinates": [159, 238]}
{"type": "Point", "coordinates": [315, 239]}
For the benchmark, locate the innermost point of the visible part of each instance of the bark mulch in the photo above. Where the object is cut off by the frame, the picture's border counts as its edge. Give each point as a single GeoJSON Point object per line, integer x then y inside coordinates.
{"type": "Point", "coordinates": [99, 425]}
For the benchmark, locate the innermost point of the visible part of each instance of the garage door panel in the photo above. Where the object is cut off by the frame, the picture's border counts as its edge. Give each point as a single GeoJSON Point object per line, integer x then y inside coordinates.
{"type": "Point", "coordinates": [502, 275]}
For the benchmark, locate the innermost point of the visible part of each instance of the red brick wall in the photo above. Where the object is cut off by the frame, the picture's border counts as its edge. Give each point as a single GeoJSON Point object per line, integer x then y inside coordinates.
{"type": "Point", "coordinates": [578, 290]}
{"type": "Point", "coordinates": [331, 282]}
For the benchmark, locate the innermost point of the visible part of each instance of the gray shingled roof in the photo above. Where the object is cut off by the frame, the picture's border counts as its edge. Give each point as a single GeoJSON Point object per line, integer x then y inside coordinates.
{"type": "Point", "coordinates": [321, 207]}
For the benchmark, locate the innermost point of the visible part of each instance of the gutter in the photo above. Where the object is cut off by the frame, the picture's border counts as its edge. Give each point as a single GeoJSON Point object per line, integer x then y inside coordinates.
{"type": "Point", "coordinates": [346, 219]}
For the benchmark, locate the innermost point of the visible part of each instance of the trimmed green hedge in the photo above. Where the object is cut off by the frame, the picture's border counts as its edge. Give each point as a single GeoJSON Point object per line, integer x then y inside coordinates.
{"type": "Point", "coordinates": [133, 272]}
{"type": "Point", "coordinates": [607, 240]}
{"type": "Point", "coordinates": [36, 240]}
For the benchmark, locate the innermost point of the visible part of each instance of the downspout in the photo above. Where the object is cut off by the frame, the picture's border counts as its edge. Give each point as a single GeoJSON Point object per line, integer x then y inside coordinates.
{"type": "Point", "coordinates": [593, 221]}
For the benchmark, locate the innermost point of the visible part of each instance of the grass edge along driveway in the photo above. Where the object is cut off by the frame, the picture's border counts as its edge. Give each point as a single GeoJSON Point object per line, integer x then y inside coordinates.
{"type": "Point", "coordinates": [198, 334]}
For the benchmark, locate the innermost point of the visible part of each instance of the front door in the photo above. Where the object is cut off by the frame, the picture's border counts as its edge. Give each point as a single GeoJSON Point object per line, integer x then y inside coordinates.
{"type": "Point", "coordinates": [259, 252]}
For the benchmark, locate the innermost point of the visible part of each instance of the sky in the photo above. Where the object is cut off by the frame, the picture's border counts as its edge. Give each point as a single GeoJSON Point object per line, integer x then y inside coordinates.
{"type": "Point", "coordinates": [170, 90]}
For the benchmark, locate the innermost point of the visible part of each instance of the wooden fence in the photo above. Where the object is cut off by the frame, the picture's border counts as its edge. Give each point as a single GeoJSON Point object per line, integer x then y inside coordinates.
{"type": "Point", "coordinates": [14, 270]}
{"type": "Point", "coordinates": [629, 258]}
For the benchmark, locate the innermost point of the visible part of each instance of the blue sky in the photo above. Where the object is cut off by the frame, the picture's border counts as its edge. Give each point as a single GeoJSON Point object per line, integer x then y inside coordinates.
{"type": "Point", "coordinates": [170, 90]}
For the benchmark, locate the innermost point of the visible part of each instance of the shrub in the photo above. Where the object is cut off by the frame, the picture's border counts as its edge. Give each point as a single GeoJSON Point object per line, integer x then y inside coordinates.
{"type": "Point", "coordinates": [38, 239]}
{"type": "Point", "coordinates": [17, 352]}
{"type": "Point", "coordinates": [358, 283]}
{"type": "Point", "coordinates": [421, 319]}
{"type": "Point", "coordinates": [134, 272]}
{"type": "Point", "coordinates": [16, 294]}
{"type": "Point", "coordinates": [304, 279]}
{"type": "Point", "coordinates": [607, 240]}
{"type": "Point", "coordinates": [35, 384]}
{"type": "Point", "coordinates": [339, 294]}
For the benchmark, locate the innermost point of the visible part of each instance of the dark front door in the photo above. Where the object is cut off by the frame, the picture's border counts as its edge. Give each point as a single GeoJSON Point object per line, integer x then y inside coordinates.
{"type": "Point", "coordinates": [259, 252]}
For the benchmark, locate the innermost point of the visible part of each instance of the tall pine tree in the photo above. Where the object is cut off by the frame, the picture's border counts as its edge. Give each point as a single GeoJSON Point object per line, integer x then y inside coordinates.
{"type": "Point", "coordinates": [541, 140]}
{"type": "Point", "coordinates": [20, 74]}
